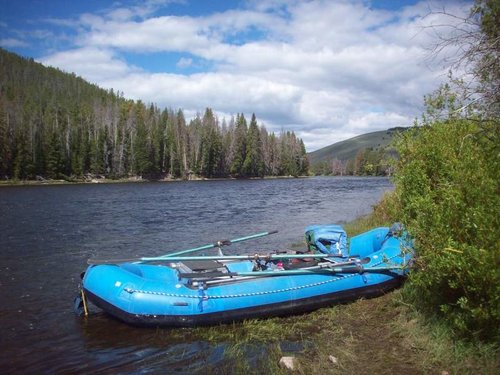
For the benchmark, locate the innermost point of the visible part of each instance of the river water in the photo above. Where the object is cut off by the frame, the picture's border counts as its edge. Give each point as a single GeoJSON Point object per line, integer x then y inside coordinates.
{"type": "Point", "coordinates": [47, 233]}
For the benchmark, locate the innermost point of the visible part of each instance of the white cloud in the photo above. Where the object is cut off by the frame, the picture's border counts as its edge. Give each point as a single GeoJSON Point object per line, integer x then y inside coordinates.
{"type": "Point", "coordinates": [328, 70]}
{"type": "Point", "coordinates": [364, 122]}
{"type": "Point", "coordinates": [225, 92]}
{"type": "Point", "coordinates": [155, 34]}
{"type": "Point", "coordinates": [94, 64]}
{"type": "Point", "coordinates": [184, 62]}
{"type": "Point", "coordinates": [12, 42]}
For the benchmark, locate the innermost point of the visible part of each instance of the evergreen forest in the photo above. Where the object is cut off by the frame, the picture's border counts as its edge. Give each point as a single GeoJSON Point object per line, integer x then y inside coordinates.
{"type": "Point", "coordinates": [55, 125]}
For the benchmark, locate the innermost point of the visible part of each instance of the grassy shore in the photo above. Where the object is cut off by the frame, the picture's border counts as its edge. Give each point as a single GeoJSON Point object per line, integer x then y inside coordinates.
{"type": "Point", "coordinates": [376, 336]}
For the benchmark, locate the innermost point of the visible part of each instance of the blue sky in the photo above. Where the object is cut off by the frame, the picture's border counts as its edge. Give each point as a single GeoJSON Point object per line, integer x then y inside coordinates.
{"type": "Point", "coordinates": [328, 70]}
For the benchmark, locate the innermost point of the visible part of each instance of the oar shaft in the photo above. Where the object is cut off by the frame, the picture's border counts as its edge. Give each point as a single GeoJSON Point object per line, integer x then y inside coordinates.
{"type": "Point", "coordinates": [327, 271]}
{"type": "Point", "coordinates": [251, 237]}
{"type": "Point", "coordinates": [218, 244]}
{"type": "Point", "coordinates": [175, 254]}
{"type": "Point", "coordinates": [210, 257]}
{"type": "Point", "coordinates": [235, 257]}
{"type": "Point", "coordinates": [205, 247]}
{"type": "Point", "coordinates": [310, 271]}
{"type": "Point", "coordinates": [266, 257]}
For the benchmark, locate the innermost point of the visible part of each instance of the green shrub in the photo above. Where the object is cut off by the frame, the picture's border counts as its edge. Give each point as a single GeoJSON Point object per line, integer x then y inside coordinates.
{"type": "Point", "coordinates": [447, 189]}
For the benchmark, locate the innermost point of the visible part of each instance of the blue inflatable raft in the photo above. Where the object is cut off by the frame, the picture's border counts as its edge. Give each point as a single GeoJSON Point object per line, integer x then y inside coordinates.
{"type": "Point", "coordinates": [191, 291]}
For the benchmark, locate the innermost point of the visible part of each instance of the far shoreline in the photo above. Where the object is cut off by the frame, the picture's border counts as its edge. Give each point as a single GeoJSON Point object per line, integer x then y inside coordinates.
{"type": "Point", "coordinates": [135, 179]}
{"type": "Point", "coordinates": [138, 179]}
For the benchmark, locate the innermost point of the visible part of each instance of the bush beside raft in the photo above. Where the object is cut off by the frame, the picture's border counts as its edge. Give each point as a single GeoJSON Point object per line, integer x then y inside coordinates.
{"type": "Point", "coordinates": [447, 194]}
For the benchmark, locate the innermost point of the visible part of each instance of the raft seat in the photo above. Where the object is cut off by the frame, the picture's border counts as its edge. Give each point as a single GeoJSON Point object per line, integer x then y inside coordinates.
{"type": "Point", "coordinates": [202, 265]}
{"type": "Point", "coordinates": [206, 275]}
{"type": "Point", "coordinates": [202, 270]}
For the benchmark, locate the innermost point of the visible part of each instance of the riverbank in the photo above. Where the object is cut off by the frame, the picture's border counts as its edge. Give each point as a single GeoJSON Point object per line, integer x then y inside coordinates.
{"type": "Point", "coordinates": [382, 335]}
{"type": "Point", "coordinates": [375, 336]}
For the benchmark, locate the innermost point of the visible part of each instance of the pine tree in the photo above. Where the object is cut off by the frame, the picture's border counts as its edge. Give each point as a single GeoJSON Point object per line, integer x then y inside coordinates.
{"type": "Point", "coordinates": [54, 161]}
{"type": "Point", "coordinates": [195, 133]}
{"type": "Point", "coordinates": [141, 147]}
{"type": "Point", "coordinates": [164, 144]}
{"type": "Point", "coordinates": [184, 146]}
{"type": "Point", "coordinates": [274, 160]}
{"type": "Point", "coordinates": [154, 140]}
{"type": "Point", "coordinates": [5, 144]}
{"type": "Point", "coordinates": [23, 167]}
{"type": "Point", "coordinates": [303, 159]}
{"type": "Point", "coordinates": [211, 146]}
{"type": "Point", "coordinates": [239, 146]}
{"type": "Point", "coordinates": [96, 153]}
{"type": "Point", "coordinates": [227, 134]}
{"type": "Point", "coordinates": [286, 167]}
{"type": "Point", "coordinates": [253, 165]}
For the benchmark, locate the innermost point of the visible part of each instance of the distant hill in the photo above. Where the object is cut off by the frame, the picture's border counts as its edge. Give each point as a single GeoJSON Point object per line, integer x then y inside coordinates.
{"type": "Point", "coordinates": [345, 152]}
{"type": "Point", "coordinates": [348, 149]}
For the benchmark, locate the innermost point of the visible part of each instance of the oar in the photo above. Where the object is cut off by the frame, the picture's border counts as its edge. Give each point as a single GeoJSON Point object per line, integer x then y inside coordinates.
{"type": "Point", "coordinates": [319, 271]}
{"type": "Point", "coordinates": [305, 271]}
{"type": "Point", "coordinates": [211, 257]}
{"type": "Point", "coordinates": [163, 257]}
{"type": "Point", "coordinates": [220, 244]}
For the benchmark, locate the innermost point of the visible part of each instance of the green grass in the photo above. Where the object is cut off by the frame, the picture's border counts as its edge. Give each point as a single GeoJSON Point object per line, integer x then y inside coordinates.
{"type": "Point", "coordinates": [436, 345]}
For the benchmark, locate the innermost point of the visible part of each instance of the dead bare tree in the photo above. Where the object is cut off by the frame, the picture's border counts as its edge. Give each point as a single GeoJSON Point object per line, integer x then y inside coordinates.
{"type": "Point", "coordinates": [474, 63]}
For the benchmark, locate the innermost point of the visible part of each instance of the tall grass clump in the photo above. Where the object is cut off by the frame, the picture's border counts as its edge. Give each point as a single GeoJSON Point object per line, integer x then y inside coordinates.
{"type": "Point", "coordinates": [448, 194]}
